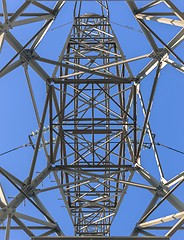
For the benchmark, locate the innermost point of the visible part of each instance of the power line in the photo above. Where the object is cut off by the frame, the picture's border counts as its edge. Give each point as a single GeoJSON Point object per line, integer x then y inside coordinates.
{"type": "Point", "coordinates": [170, 148]}
{"type": "Point", "coordinates": [14, 149]}
{"type": "Point", "coordinates": [120, 25]}
{"type": "Point", "coordinates": [60, 26]}
{"type": "Point", "coordinates": [31, 144]}
{"type": "Point", "coordinates": [128, 27]}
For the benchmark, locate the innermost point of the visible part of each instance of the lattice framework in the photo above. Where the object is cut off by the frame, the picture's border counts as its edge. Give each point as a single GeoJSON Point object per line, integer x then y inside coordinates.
{"type": "Point", "coordinates": [92, 106]}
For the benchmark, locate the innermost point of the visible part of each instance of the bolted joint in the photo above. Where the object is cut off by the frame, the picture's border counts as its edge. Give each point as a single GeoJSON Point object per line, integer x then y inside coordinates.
{"type": "Point", "coordinates": [26, 55]}
{"type": "Point", "coordinates": [9, 211]}
{"type": "Point", "coordinates": [5, 27]}
{"type": "Point", "coordinates": [160, 190]}
{"type": "Point", "coordinates": [28, 190]}
{"type": "Point", "coordinates": [160, 55]}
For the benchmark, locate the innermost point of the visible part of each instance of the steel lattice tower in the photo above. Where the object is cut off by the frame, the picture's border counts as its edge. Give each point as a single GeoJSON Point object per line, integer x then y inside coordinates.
{"type": "Point", "coordinates": [94, 123]}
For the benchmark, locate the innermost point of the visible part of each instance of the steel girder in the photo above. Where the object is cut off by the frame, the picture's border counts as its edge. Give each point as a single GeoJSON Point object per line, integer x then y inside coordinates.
{"type": "Point", "coordinates": [96, 132]}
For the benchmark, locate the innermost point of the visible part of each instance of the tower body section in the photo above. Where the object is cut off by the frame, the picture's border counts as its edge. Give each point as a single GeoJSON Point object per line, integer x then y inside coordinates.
{"type": "Point", "coordinates": [96, 124]}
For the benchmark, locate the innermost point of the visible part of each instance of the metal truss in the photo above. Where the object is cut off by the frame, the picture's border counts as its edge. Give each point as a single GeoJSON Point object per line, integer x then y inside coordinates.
{"type": "Point", "coordinates": [98, 120]}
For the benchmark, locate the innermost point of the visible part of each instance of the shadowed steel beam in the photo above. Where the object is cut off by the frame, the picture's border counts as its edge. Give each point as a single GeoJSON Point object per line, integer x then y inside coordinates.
{"type": "Point", "coordinates": [161, 172]}
{"type": "Point", "coordinates": [8, 228]}
{"type": "Point", "coordinates": [34, 105]}
{"type": "Point", "coordinates": [175, 65]}
{"type": "Point", "coordinates": [152, 203]}
{"type": "Point", "coordinates": [161, 20]}
{"type": "Point", "coordinates": [176, 10]}
{"type": "Point", "coordinates": [5, 12]}
{"type": "Point", "coordinates": [23, 226]}
{"type": "Point", "coordinates": [175, 179]}
{"type": "Point", "coordinates": [12, 177]}
{"type": "Point", "coordinates": [39, 138]}
{"type": "Point", "coordinates": [151, 40]}
{"type": "Point", "coordinates": [35, 220]}
{"type": "Point", "coordinates": [164, 219]}
{"type": "Point", "coordinates": [11, 67]}
{"type": "Point", "coordinates": [75, 67]}
{"type": "Point", "coordinates": [148, 110]}
{"type": "Point", "coordinates": [176, 227]}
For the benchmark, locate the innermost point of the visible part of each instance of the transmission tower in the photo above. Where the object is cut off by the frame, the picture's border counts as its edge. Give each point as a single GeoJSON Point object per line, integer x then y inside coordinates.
{"type": "Point", "coordinates": [93, 123]}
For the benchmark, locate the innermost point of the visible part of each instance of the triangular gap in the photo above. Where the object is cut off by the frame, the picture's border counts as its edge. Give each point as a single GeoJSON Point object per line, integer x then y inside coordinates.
{"type": "Point", "coordinates": [15, 230]}
{"type": "Point", "coordinates": [18, 40]}
{"type": "Point", "coordinates": [12, 7]}
{"type": "Point", "coordinates": [138, 65]}
{"type": "Point", "coordinates": [31, 31]}
{"type": "Point", "coordinates": [10, 66]}
{"type": "Point", "coordinates": [175, 9]}
{"type": "Point", "coordinates": [149, 149]}
{"type": "Point", "coordinates": [179, 191]}
{"type": "Point", "coordinates": [34, 220]}
{"type": "Point", "coordinates": [163, 45]}
{"type": "Point", "coordinates": [32, 226]}
{"type": "Point", "coordinates": [173, 62]}
{"type": "Point", "coordinates": [131, 48]}
{"type": "Point", "coordinates": [46, 7]}
{"type": "Point", "coordinates": [26, 19]}
{"type": "Point", "coordinates": [7, 194]}
{"type": "Point", "coordinates": [157, 28]}
{"type": "Point", "coordinates": [11, 178]}
{"type": "Point", "coordinates": [159, 7]}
